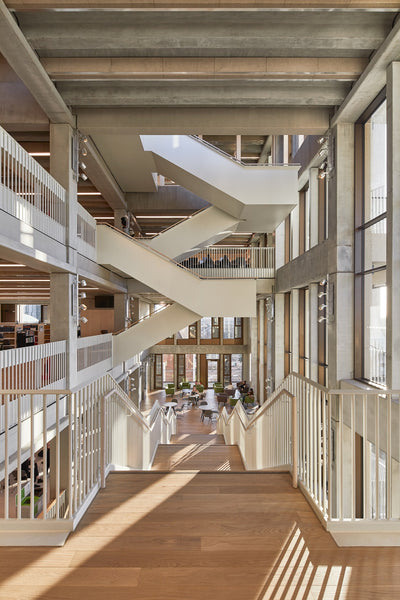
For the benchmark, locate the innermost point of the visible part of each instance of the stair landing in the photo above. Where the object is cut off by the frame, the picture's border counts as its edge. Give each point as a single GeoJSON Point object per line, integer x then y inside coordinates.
{"type": "Point", "coordinates": [195, 456]}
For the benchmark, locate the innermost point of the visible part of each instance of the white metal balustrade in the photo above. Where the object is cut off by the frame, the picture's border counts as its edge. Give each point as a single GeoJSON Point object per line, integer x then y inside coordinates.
{"type": "Point", "coordinates": [34, 367]}
{"type": "Point", "coordinates": [345, 449]}
{"type": "Point", "coordinates": [93, 350]}
{"type": "Point", "coordinates": [89, 432]}
{"type": "Point", "coordinates": [233, 262]}
{"type": "Point", "coordinates": [86, 233]}
{"type": "Point", "coordinates": [28, 192]}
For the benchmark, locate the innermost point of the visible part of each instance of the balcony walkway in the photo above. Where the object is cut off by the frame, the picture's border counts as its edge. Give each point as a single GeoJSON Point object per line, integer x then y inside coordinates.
{"type": "Point", "coordinates": [195, 535]}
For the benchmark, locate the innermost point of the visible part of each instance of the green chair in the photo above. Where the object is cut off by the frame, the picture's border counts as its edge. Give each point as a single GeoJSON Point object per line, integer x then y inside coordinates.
{"type": "Point", "coordinates": [218, 387]}
{"type": "Point", "coordinates": [170, 389]}
{"type": "Point", "coordinates": [200, 388]}
{"type": "Point", "coordinates": [248, 400]}
{"type": "Point", "coordinates": [184, 385]}
{"type": "Point", "coordinates": [233, 401]}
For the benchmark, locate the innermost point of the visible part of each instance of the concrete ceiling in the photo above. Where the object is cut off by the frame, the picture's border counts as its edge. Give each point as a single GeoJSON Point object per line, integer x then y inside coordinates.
{"type": "Point", "coordinates": [119, 68]}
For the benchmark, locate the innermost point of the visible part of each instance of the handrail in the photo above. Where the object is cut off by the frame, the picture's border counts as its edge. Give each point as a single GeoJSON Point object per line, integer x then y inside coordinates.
{"type": "Point", "coordinates": [150, 249]}
{"type": "Point", "coordinates": [131, 407]}
{"type": "Point", "coordinates": [143, 318]}
{"type": "Point", "coordinates": [246, 426]}
{"type": "Point", "coordinates": [178, 222]}
{"type": "Point", "coordinates": [237, 160]}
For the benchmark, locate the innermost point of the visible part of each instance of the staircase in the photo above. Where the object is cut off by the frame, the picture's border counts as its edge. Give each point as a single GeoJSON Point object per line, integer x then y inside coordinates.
{"type": "Point", "coordinates": [198, 453]}
{"type": "Point", "coordinates": [260, 196]}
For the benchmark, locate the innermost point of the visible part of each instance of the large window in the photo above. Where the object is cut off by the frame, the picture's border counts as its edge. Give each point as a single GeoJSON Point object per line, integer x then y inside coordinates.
{"type": "Point", "coordinates": [209, 328]}
{"type": "Point", "coordinates": [168, 368]}
{"type": "Point", "coordinates": [233, 328]}
{"type": "Point", "coordinates": [370, 283]}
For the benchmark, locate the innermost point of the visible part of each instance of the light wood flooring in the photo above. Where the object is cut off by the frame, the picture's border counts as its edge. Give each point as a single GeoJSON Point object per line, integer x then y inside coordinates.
{"type": "Point", "coordinates": [188, 535]}
{"type": "Point", "coordinates": [196, 536]}
{"type": "Point", "coordinates": [196, 445]}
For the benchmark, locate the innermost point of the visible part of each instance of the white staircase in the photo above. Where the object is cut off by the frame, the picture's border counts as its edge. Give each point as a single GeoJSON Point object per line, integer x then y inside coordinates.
{"type": "Point", "coordinates": [150, 331]}
{"type": "Point", "coordinates": [204, 228]}
{"type": "Point", "coordinates": [260, 196]}
{"type": "Point", "coordinates": [220, 298]}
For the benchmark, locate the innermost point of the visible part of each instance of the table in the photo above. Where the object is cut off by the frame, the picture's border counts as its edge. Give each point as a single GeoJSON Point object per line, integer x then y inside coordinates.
{"type": "Point", "coordinates": [172, 405]}
{"type": "Point", "coordinates": [207, 407]}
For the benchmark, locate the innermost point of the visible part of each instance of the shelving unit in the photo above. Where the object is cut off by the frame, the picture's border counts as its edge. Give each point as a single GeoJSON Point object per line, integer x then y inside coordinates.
{"type": "Point", "coordinates": [40, 334]}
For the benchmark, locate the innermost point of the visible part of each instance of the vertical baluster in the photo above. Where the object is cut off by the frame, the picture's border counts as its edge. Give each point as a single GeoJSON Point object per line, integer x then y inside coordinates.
{"type": "Point", "coordinates": [44, 411]}
{"type": "Point", "coordinates": [377, 456]}
{"type": "Point", "coordinates": [339, 447]}
{"type": "Point", "coordinates": [32, 506]}
{"type": "Point", "coordinates": [353, 456]}
{"type": "Point", "coordinates": [58, 465]}
{"type": "Point", "coordinates": [19, 490]}
{"type": "Point", "coordinates": [6, 458]}
{"type": "Point", "coordinates": [366, 478]}
{"type": "Point", "coordinates": [388, 398]}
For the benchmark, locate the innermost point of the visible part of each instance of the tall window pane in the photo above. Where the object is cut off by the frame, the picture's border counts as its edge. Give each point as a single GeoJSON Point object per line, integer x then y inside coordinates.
{"type": "Point", "coordinates": [190, 367]}
{"type": "Point", "coordinates": [205, 328]}
{"type": "Point", "coordinates": [375, 164]}
{"type": "Point", "coordinates": [375, 327]}
{"type": "Point", "coordinates": [229, 328]}
{"type": "Point", "coordinates": [168, 368]}
{"type": "Point", "coordinates": [237, 368]}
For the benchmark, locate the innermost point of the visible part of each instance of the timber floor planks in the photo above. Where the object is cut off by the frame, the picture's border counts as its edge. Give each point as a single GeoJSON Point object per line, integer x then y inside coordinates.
{"type": "Point", "coordinates": [198, 457]}
{"type": "Point", "coordinates": [184, 536]}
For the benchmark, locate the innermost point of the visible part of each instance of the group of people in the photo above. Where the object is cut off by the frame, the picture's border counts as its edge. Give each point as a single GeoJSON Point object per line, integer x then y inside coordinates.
{"type": "Point", "coordinates": [243, 390]}
{"type": "Point", "coordinates": [208, 263]}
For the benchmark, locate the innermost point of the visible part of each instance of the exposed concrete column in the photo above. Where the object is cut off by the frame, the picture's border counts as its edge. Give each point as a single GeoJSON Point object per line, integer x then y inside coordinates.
{"type": "Point", "coordinates": [313, 194]}
{"type": "Point", "coordinates": [120, 213]}
{"type": "Point", "coordinates": [279, 339]}
{"type": "Point", "coordinates": [64, 318]}
{"type": "Point", "coordinates": [294, 321]}
{"type": "Point", "coordinates": [120, 311]}
{"type": "Point", "coordinates": [340, 298]}
{"type": "Point", "coordinates": [254, 354]}
{"type": "Point", "coordinates": [262, 349]}
{"type": "Point", "coordinates": [393, 227]}
{"type": "Point", "coordinates": [294, 232]}
{"type": "Point", "coordinates": [313, 320]}
{"type": "Point", "coordinates": [61, 158]}
{"type": "Point", "coordinates": [278, 149]}
{"type": "Point", "coordinates": [280, 246]}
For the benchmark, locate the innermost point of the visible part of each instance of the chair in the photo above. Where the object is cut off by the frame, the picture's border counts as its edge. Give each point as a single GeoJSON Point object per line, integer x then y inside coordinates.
{"type": "Point", "coordinates": [184, 385]}
{"type": "Point", "coordinates": [200, 388]}
{"type": "Point", "coordinates": [170, 389]}
{"type": "Point", "coordinates": [222, 398]}
{"type": "Point", "coordinates": [208, 414]}
{"type": "Point", "coordinates": [233, 401]}
{"type": "Point", "coordinates": [218, 387]}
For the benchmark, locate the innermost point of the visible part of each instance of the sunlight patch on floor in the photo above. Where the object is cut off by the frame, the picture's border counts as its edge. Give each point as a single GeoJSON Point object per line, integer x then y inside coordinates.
{"type": "Point", "coordinates": [295, 576]}
{"type": "Point", "coordinates": [152, 497]}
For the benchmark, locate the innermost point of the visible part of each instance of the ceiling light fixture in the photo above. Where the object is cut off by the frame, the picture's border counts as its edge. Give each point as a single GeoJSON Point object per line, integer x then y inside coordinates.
{"type": "Point", "coordinates": [82, 282]}
{"type": "Point", "coordinates": [321, 319]}
{"type": "Point", "coordinates": [24, 280]}
{"type": "Point", "coordinates": [12, 265]}
{"type": "Point", "coordinates": [82, 165]}
{"type": "Point", "coordinates": [104, 218]}
{"type": "Point", "coordinates": [162, 216]}
{"type": "Point", "coordinates": [39, 153]}
{"type": "Point", "coordinates": [83, 319]}
{"type": "Point", "coordinates": [89, 194]}
{"type": "Point", "coordinates": [83, 176]}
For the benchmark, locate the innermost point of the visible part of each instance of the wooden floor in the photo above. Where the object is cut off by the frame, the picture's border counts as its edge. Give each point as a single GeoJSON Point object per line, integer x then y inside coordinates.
{"type": "Point", "coordinates": [197, 456]}
{"type": "Point", "coordinates": [196, 536]}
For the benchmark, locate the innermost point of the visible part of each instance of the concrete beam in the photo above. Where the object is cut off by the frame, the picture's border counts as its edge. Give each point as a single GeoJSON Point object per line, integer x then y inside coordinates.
{"type": "Point", "coordinates": [102, 178]}
{"type": "Point", "coordinates": [203, 93]}
{"type": "Point", "coordinates": [132, 68]}
{"type": "Point", "coordinates": [222, 33]}
{"type": "Point", "coordinates": [26, 65]}
{"type": "Point", "coordinates": [199, 4]}
{"type": "Point", "coordinates": [19, 111]}
{"type": "Point", "coordinates": [184, 120]}
{"type": "Point", "coordinates": [371, 81]}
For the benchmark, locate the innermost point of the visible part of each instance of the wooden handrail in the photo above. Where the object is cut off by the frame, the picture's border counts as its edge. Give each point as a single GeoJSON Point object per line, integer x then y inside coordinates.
{"type": "Point", "coordinates": [155, 312]}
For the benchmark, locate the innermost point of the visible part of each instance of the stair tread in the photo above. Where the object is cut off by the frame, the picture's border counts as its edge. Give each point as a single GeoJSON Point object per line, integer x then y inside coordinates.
{"type": "Point", "coordinates": [197, 456]}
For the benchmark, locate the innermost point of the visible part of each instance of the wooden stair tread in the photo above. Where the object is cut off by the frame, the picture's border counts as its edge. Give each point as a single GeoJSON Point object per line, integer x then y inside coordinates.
{"type": "Point", "coordinates": [198, 457]}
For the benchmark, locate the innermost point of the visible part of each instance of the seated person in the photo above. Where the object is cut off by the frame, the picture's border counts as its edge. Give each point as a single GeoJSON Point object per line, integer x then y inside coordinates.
{"type": "Point", "coordinates": [251, 394]}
